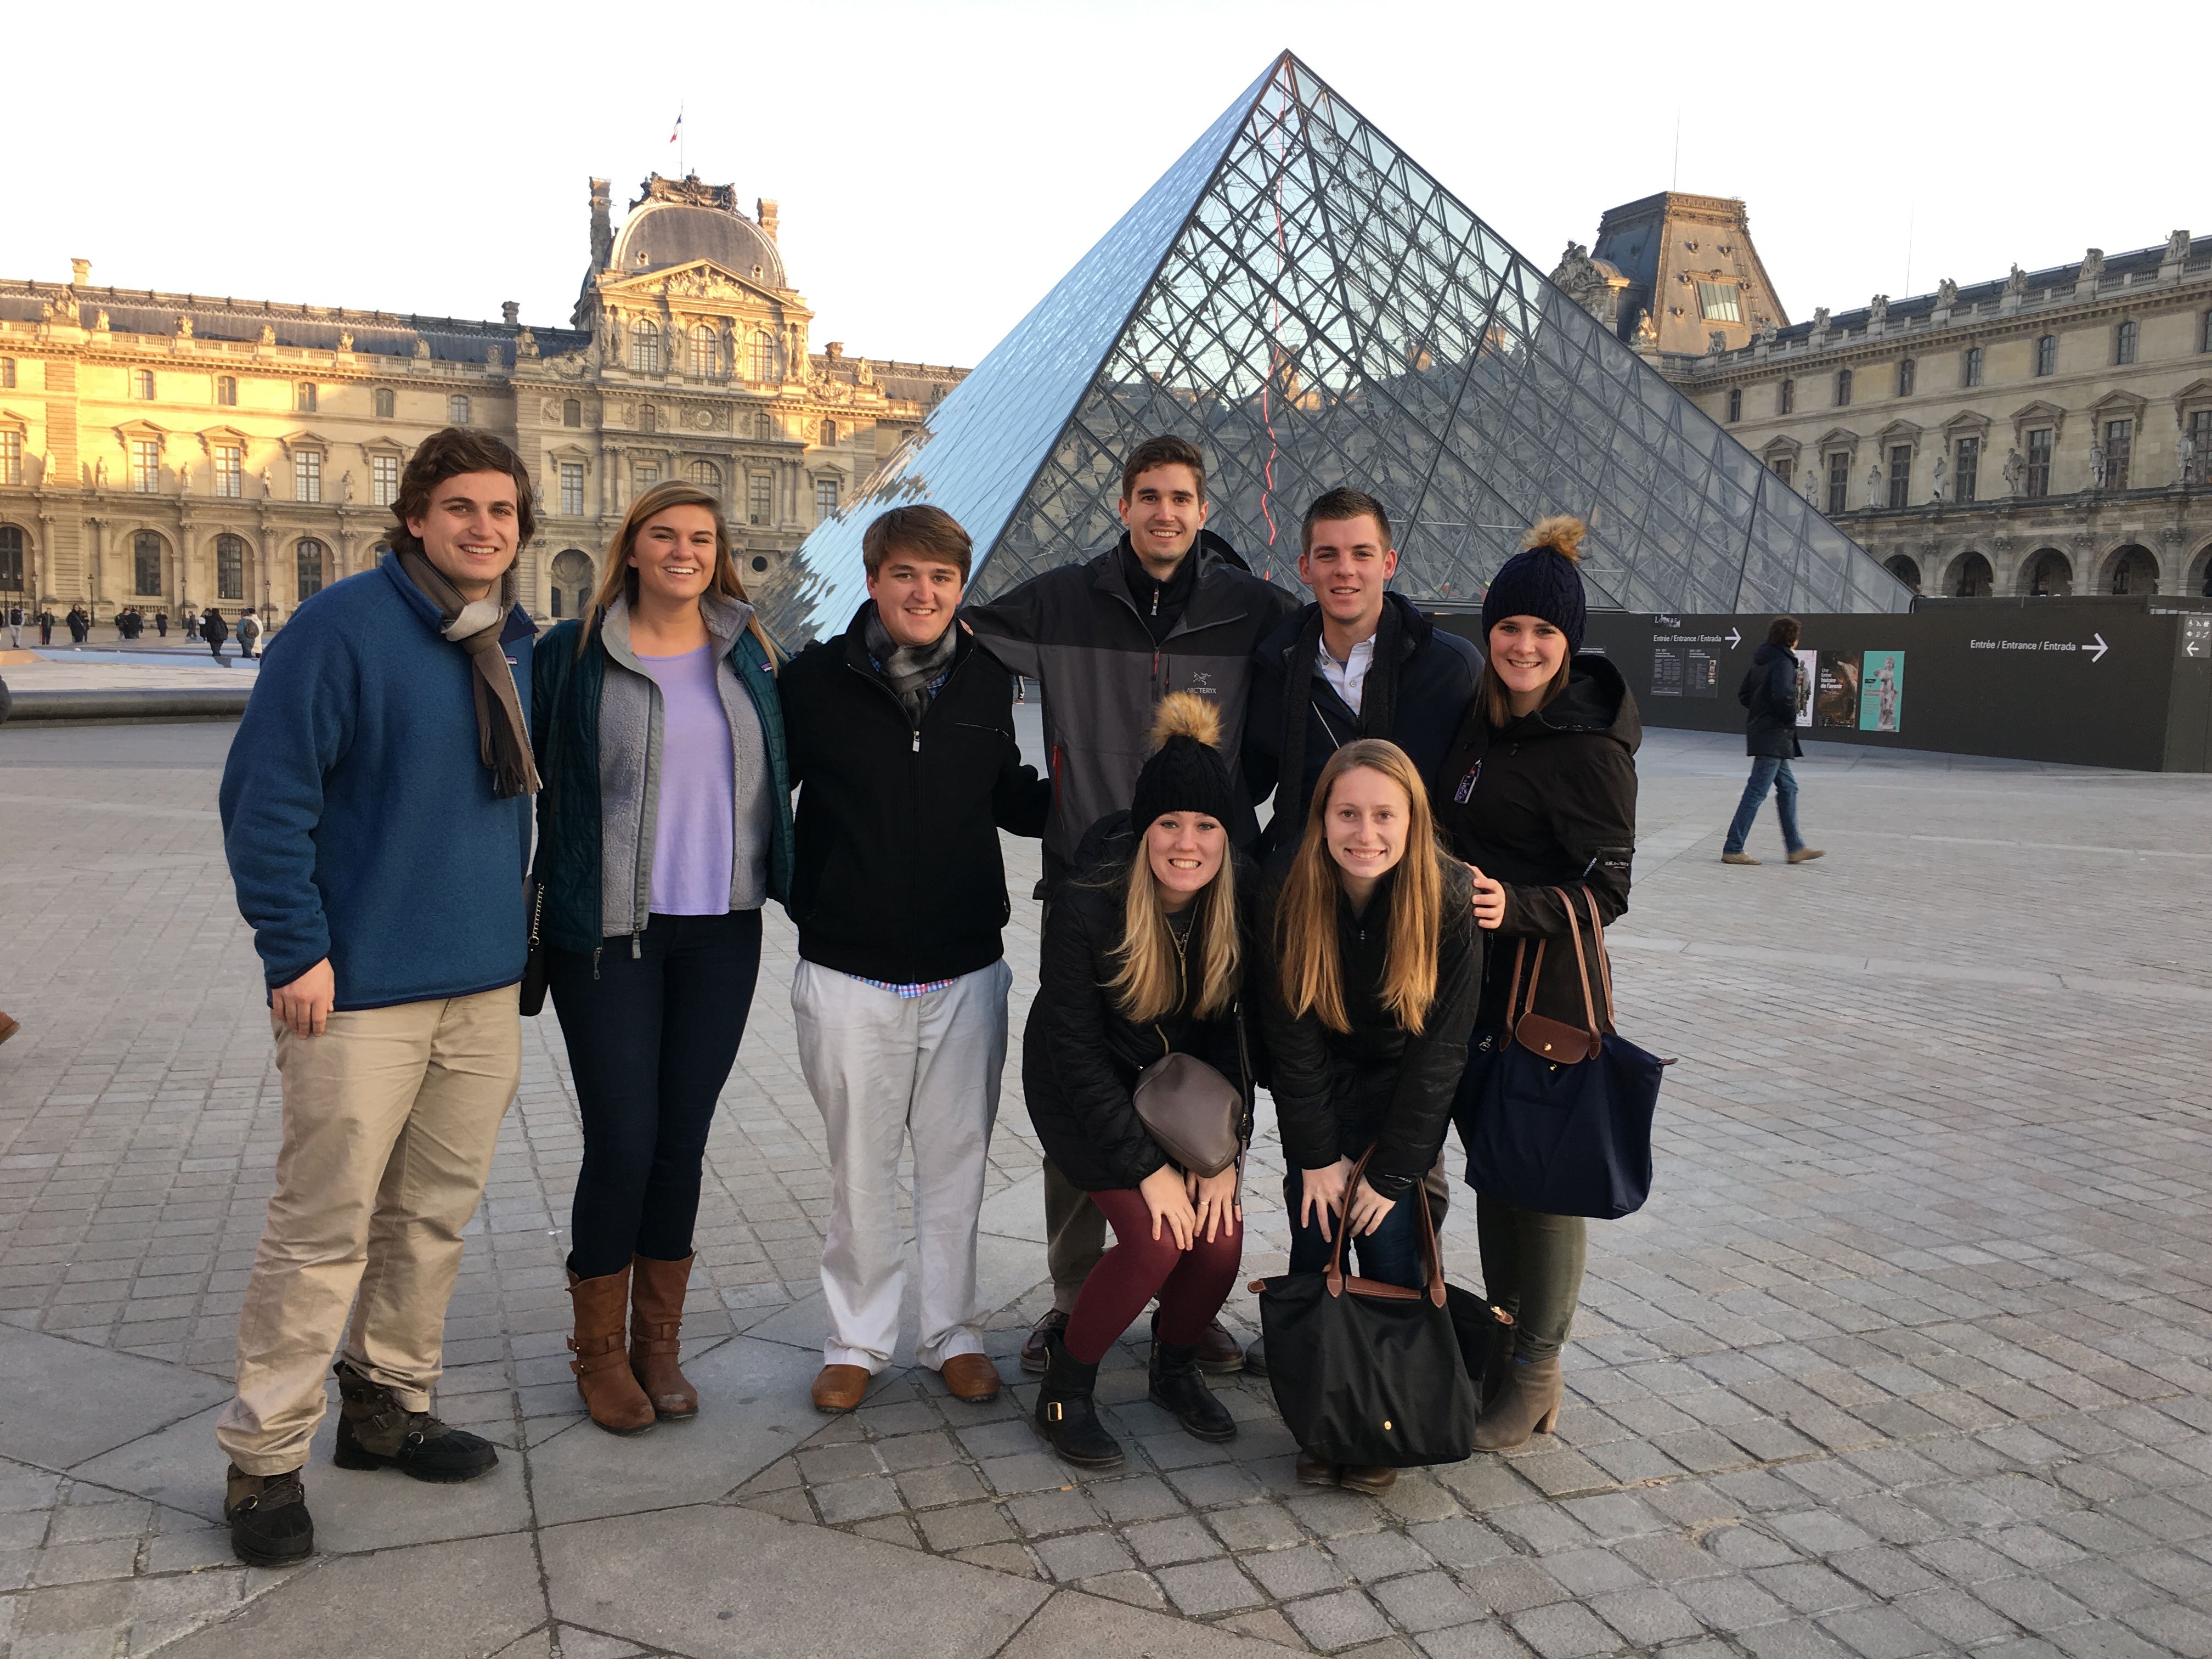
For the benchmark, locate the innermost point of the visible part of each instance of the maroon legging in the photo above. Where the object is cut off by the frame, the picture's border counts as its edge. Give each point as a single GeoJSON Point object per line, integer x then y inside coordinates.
{"type": "Point", "coordinates": [1191, 1285]}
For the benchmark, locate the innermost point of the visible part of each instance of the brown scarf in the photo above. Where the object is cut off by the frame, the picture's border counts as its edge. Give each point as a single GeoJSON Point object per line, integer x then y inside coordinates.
{"type": "Point", "coordinates": [502, 739]}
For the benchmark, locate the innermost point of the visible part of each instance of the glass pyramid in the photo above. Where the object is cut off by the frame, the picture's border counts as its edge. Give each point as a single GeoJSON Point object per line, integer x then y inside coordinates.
{"type": "Point", "coordinates": [1311, 308]}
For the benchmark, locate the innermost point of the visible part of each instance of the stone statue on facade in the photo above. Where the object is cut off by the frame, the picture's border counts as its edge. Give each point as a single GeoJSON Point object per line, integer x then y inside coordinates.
{"type": "Point", "coordinates": [1942, 492]}
{"type": "Point", "coordinates": [1715, 343]}
{"type": "Point", "coordinates": [2093, 270]}
{"type": "Point", "coordinates": [2185, 450]}
{"type": "Point", "coordinates": [100, 324]}
{"type": "Point", "coordinates": [525, 344]}
{"type": "Point", "coordinates": [1947, 294]}
{"type": "Point", "coordinates": [421, 349]}
{"type": "Point", "coordinates": [268, 334]}
{"type": "Point", "coordinates": [1819, 319]}
{"type": "Point", "coordinates": [865, 374]}
{"type": "Point", "coordinates": [184, 327]}
{"type": "Point", "coordinates": [2096, 465]}
{"type": "Point", "coordinates": [1647, 332]}
{"type": "Point", "coordinates": [99, 473]}
{"type": "Point", "coordinates": [345, 342]}
{"type": "Point", "coordinates": [2016, 286]}
{"type": "Point", "coordinates": [1874, 495]}
{"type": "Point", "coordinates": [1813, 487]}
{"type": "Point", "coordinates": [2015, 472]}
{"type": "Point", "coordinates": [1577, 277]}
{"type": "Point", "coordinates": [345, 486]}
{"type": "Point", "coordinates": [1878, 311]}
{"type": "Point", "coordinates": [185, 479]}
{"type": "Point", "coordinates": [2176, 247]}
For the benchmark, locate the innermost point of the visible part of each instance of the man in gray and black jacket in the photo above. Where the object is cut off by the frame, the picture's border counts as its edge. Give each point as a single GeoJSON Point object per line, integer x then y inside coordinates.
{"type": "Point", "coordinates": [1170, 607]}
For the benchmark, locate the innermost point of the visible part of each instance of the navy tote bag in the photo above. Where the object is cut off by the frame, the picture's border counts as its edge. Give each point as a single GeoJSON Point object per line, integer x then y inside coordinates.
{"type": "Point", "coordinates": [1556, 1117]}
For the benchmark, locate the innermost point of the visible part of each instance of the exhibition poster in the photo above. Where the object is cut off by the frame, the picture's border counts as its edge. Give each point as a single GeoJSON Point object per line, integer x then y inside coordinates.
{"type": "Point", "coordinates": [1881, 692]}
{"type": "Point", "coordinates": [1809, 676]}
{"type": "Point", "coordinates": [1837, 701]}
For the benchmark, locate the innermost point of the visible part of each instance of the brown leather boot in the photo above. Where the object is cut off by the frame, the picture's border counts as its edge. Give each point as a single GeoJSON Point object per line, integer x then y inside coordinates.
{"type": "Point", "coordinates": [1527, 1404]}
{"type": "Point", "coordinates": [656, 1330]}
{"type": "Point", "coordinates": [603, 1374]}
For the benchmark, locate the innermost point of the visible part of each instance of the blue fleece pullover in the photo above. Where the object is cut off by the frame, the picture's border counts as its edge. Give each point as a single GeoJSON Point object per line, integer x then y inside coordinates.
{"type": "Point", "coordinates": [358, 819]}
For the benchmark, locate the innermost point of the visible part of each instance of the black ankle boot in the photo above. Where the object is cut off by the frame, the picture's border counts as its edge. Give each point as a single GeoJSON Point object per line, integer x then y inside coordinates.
{"type": "Point", "coordinates": [270, 1525]}
{"type": "Point", "coordinates": [375, 1431]}
{"type": "Point", "coordinates": [1179, 1386]}
{"type": "Point", "coordinates": [1064, 1413]}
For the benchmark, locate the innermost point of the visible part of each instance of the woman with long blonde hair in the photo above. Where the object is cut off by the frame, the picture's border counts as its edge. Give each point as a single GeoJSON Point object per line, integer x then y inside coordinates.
{"type": "Point", "coordinates": [1144, 956]}
{"type": "Point", "coordinates": [1372, 995]}
{"type": "Point", "coordinates": [664, 826]}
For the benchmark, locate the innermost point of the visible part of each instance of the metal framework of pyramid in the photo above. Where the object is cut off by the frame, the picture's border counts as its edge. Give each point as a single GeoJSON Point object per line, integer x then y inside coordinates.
{"type": "Point", "coordinates": [1312, 309]}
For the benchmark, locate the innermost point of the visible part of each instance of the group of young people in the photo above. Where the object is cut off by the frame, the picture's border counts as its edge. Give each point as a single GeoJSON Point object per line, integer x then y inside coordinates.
{"type": "Point", "coordinates": [1426, 798]}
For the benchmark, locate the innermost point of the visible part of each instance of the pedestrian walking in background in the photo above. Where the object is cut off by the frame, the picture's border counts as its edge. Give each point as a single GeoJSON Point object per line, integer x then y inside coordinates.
{"type": "Point", "coordinates": [161, 623]}
{"type": "Point", "coordinates": [16, 625]}
{"type": "Point", "coordinates": [1145, 955]}
{"type": "Point", "coordinates": [1770, 692]}
{"type": "Point", "coordinates": [45, 625]}
{"type": "Point", "coordinates": [214, 631]}
{"type": "Point", "coordinates": [376, 816]}
{"type": "Point", "coordinates": [1545, 796]}
{"type": "Point", "coordinates": [1368, 1004]}
{"type": "Point", "coordinates": [664, 827]}
{"type": "Point", "coordinates": [80, 624]}
{"type": "Point", "coordinates": [249, 632]}
{"type": "Point", "coordinates": [130, 623]}
{"type": "Point", "coordinates": [1170, 607]}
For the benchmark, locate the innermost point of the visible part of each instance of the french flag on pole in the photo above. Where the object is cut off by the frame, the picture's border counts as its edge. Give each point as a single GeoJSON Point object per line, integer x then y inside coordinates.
{"type": "Point", "coordinates": [677, 131]}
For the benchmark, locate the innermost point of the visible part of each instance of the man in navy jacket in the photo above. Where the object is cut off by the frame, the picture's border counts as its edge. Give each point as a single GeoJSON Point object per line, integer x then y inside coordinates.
{"type": "Point", "coordinates": [376, 818]}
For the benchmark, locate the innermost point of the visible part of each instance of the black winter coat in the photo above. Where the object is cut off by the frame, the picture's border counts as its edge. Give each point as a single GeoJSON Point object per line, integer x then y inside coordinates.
{"type": "Point", "coordinates": [1339, 1092]}
{"type": "Point", "coordinates": [897, 874]}
{"type": "Point", "coordinates": [1770, 692]}
{"type": "Point", "coordinates": [1414, 700]}
{"type": "Point", "coordinates": [1548, 801]}
{"type": "Point", "coordinates": [1081, 1057]}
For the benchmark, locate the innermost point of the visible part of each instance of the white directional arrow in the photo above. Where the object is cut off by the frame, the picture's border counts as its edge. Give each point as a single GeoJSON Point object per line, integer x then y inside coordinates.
{"type": "Point", "coordinates": [1734, 639]}
{"type": "Point", "coordinates": [2097, 650]}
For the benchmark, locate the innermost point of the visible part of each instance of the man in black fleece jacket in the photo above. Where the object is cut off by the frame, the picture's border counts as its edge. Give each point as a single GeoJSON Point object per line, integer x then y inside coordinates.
{"type": "Point", "coordinates": [901, 735]}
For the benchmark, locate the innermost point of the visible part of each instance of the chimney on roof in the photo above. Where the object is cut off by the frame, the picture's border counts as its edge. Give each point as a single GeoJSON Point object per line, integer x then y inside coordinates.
{"type": "Point", "coordinates": [603, 232]}
{"type": "Point", "coordinates": [510, 312]}
{"type": "Point", "coordinates": [764, 210]}
{"type": "Point", "coordinates": [834, 351]}
{"type": "Point", "coordinates": [80, 273]}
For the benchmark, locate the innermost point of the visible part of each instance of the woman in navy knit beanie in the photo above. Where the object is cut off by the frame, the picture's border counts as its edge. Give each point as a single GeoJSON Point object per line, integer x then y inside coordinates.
{"type": "Point", "coordinates": [1538, 793]}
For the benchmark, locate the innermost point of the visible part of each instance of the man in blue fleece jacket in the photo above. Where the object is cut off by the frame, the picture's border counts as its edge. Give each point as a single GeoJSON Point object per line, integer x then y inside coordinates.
{"type": "Point", "coordinates": [376, 817]}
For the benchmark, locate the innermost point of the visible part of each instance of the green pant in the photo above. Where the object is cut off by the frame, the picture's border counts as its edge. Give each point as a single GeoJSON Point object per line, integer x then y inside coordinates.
{"type": "Point", "coordinates": [1531, 1267]}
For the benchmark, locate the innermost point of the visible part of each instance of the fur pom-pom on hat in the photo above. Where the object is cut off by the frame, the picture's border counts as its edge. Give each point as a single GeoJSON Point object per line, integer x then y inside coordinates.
{"type": "Point", "coordinates": [1187, 773]}
{"type": "Point", "coordinates": [1543, 581]}
{"type": "Point", "coordinates": [1562, 532]}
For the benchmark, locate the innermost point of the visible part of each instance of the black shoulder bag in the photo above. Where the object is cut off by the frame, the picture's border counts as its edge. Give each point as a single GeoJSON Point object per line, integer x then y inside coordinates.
{"type": "Point", "coordinates": [532, 993]}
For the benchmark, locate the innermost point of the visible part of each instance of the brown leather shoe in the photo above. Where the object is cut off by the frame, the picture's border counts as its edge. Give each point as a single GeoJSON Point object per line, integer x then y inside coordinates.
{"type": "Point", "coordinates": [1219, 1352]}
{"type": "Point", "coordinates": [971, 1376]}
{"type": "Point", "coordinates": [610, 1394]}
{"type": "Point", "coordinates": [8, 1027]}
{"type": "Point", "coordinates": [839, 1388]}
{"type": "Point", "coordinates": [656, 1333]}
{"type": "Point", "coordinates": [1359, 1477]}
{"type": "Point", "coordinates": [1033, 1347]}
{"type": "Point", "coordinates": [1805, 855]}
{"type": "Point", "coordinates": [1317, 1471]}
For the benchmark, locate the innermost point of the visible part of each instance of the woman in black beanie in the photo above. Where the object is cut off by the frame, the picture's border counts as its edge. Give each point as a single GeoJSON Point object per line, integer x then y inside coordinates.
{"type": "Point", "coordinates": [1539, 790]}
{"type": "Point", "coordinates": [1144, 956]}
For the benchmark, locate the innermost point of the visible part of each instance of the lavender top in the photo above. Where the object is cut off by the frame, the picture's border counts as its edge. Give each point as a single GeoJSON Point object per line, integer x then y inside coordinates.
{"type": "Point", "coordinates": [693, 831]}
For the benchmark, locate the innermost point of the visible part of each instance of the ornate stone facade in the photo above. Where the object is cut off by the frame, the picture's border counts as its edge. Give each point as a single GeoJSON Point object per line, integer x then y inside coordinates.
{"type": "Point", "coordinates": [2046, 431]}
{"type": "Point", "coordinates": [171, 449]}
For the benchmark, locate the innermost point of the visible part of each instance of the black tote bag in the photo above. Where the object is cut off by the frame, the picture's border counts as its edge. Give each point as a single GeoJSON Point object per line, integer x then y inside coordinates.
{"type": "Point", "coordinates": [1375, 1373]}
{"type": "Point", "coordinates": [1557, 1118]}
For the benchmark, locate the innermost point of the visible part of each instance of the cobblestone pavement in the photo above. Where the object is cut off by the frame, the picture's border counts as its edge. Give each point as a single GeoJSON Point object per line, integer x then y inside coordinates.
{"type": "Point", "coordinates": [1907, 1355]}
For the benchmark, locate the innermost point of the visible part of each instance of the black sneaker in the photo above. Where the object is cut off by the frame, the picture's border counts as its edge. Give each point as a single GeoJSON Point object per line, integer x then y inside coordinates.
{"type": "Point", "coordinates": [375, 1431]}
{"type": "Point", "coordinates": [270, 1525]}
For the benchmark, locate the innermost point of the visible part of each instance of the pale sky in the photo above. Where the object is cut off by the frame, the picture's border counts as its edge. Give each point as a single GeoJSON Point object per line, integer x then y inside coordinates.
{"type": "Point", "coordinates": [939, 166]}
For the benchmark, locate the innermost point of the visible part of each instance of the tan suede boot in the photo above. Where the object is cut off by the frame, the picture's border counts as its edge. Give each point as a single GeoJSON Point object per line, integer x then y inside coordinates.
{"type": "Point", "coordinates": [603, 1375]}
{"type": "Point", "coordinates": [1527, 1404]}
{"type": "Point", "coordinates": [656, 1331]}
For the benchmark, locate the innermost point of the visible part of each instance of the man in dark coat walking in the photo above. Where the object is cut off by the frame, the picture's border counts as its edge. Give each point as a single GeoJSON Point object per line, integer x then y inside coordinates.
{"type": "Point", "coordinates": [214, 631]}
{"type": "Point", "coordinates": [1770, 691]}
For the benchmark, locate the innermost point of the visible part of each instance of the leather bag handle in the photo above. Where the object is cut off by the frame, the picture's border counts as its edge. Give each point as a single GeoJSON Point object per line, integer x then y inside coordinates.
{"type": "Point", "coordinates": [1582, 961]}
{"type": "Point", "coordinates": [1333, 1274]}
{"type": "Point", "coordinates": [1604, 967]}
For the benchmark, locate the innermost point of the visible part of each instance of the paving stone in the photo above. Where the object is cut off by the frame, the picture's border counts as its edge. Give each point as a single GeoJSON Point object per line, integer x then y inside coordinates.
{"type": "Point", "coordinates": [1082, 1555]}
{"type": "Point", "coordinates": [964, 1526]}
{"type": "Point", "coordinates": [1565, 1630]}
{"type": "Point", "coordinates": [1646, 1617]}
{"type": "Point", "coordinates": [1206, 1588]}
{"type": "Point", "coordinates": [1425, 1602]}
{"type": "Point", "coordinates": [1255, 1526]}
{"type": "Point", "coordinates": [1337, 1620]}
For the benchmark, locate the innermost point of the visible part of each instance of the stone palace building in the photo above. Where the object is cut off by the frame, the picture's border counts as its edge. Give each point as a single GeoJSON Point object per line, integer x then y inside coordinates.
{"type": "Point", "coordinates": [2046, 431]}
{"type": "Point", "coordinates": [172, 450]}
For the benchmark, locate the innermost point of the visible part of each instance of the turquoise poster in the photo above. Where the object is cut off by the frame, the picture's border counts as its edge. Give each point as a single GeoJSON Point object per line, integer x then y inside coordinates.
{"type": "Point", "coordinates": [1881, 691]}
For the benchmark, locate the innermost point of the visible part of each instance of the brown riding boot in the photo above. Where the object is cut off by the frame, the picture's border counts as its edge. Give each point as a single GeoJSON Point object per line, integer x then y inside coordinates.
{"type": "Point", "coordinates": [656, 1328]}
{"type": "Point", "coordinates": [603, 1375]}
{"type": "Point", "coordinates": [1527, 1404]}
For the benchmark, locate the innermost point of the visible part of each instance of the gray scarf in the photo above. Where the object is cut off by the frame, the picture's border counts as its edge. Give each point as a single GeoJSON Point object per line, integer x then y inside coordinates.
{"type": "Point", "coordinates": [502, 739]}
{"type": "Point", "coordinates": [911, 668]}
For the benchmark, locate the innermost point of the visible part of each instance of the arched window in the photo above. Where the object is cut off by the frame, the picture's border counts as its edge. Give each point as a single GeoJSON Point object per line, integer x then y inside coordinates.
{"type": "Point", "coordinates": [456, 410]}
{"type": "Point", "coordinates": [571, 587]}
{"type": "Point", "coordinates": [1735, 403]}
{"type": "Point", "coordinates": [2133, 571]}
{"type": "Point", "coordinates": [572, 412]}
{"type": "Point", "coordinates": [2050, 574]}
{"type": "Point", "coordinates": [760, 364]}
{"type": "Point", "coordinates": [707, 475]}
{"type": "Point", "coordinates": [702, 351]}
{"type": "Point", "coordinates": [2046, 355]}
{"type": "Point", "coordinates": [765, 425]}
{"type": "Point", "coordinates": [386, 402]}
{"type": "Point", "coordinates": [11, 559]}
{"type": "Point", "coordinates": [828, 432]}
{"type": "Point", "coordinates": [1906, 371]}
{"type": "Point", "coordinates": [645, 346]}
{"type": "Point", "coordinates": [2124, 339]}
{"type": "Point", "coordinates": [146, 549]}
{"type": "Point", "coordinates": [1905, 568]}
{"type": "Point", "coordinates": [311, 568]}
{"type": "Point", "coordinates": [1843, 387]}
{"type": "Point", "coordinates": [1970, 373]}
{"type": "Point", "coordinates": [1971, 578]}
{"type": "Point", "coordinates": [1785, 397]}
{"type": "Point", "coordinates": [230, 566]}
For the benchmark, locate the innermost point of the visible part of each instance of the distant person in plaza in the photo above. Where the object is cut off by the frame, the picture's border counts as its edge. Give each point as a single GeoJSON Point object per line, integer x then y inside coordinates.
{"type": "Point", "coordinates": [1170, 607]}
{"type": "Point", "coordinates": [1367, 1003]}
{"type": "Point", "coordinates": [161, 623]}
{"type": "Point", "coordinates": [1146, 952]}
{"type": "Point", "coordinates": [45, 625]}
{"type": "Point", "coordinates": [665, 826]}
{"type": "Point", "coordinates": [249, 632]}
{"type": "Point", "coordinates": [902, 746]}
{"type": "Point", "coordinates": [16, 625]}
{"type": "Point", "coordinates": [376, 816]}
{"type": "Point", "coordinates": [128, 623]}
{"type": "Point", "coordinates": [215, 631]}
{"type": "Point", "coordinates": [80, 624]}
{"type": "Point", "coordinates": [1541, 793]}
{"type": "Point", "coordinates": [1771, 692]}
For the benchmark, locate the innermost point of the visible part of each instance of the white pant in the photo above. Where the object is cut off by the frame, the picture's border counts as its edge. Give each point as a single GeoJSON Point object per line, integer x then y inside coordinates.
{"type": "Point", "coordinates": [882, 1067]}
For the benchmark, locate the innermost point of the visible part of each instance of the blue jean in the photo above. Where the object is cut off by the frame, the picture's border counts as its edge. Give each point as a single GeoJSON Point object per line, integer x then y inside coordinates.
{"type": "Point", "coordinates": [1767, 771]}
{"type": "Point", "coordinates": [1391, 1253]}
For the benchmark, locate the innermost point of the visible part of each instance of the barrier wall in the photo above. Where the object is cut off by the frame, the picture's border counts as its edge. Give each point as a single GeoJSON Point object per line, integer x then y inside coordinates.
{"type": "Point", "coordinates": [2123, 682]}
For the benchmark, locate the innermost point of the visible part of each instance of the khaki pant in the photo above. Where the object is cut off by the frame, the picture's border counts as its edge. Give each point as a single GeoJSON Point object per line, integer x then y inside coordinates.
{"type": "Point", "coordinates": [389, 1119]}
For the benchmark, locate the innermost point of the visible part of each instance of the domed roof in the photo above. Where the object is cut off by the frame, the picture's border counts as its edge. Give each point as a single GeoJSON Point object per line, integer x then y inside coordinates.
{"type": "Point", "coordinates": [661, 233]}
